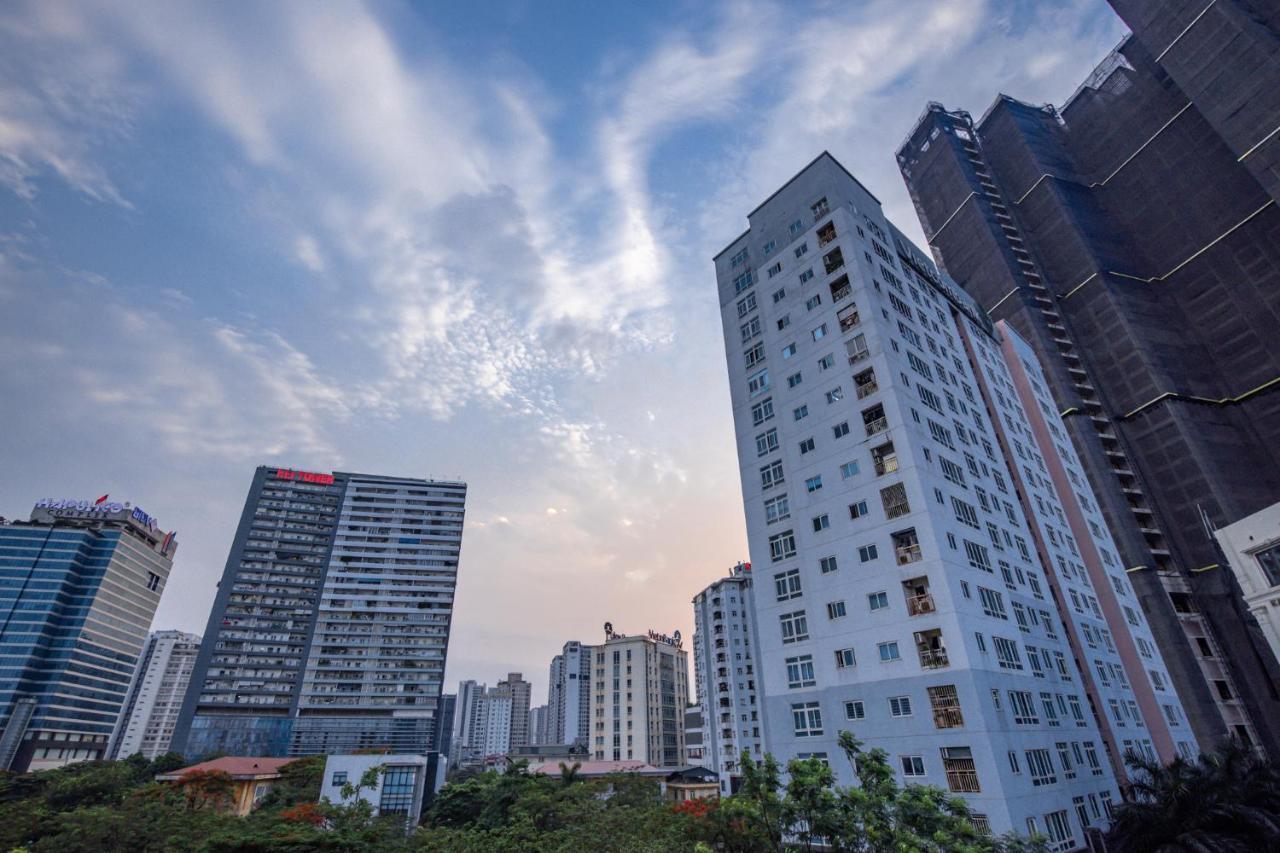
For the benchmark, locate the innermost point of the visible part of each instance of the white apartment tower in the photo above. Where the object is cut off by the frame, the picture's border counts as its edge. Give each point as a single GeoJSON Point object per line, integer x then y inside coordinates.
{"type": "Point", "coordinates": [908, 581]}
{"type": "Point", "coordinates": [569, 695]}
{"type": "Point", "coordinates": [640, 690]}
{"type": "Point", "coordinates": [724, 675]}
{"type": "Point", "coordinates": [155, 695]}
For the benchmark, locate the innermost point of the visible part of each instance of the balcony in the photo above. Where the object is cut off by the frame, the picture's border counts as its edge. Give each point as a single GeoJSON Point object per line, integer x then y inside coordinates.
{"type": "Point", "coordinates": [906, 546]}
{"type": "Point", "coordinates": [933, 655]}
{"type": "Point", "coordinates": [948, 717]}
{"type": "Point", "coordinates": [865, 383]}
{"type": "Point", "coordinates": [827, 232]}
{"type": "Point", "coordinates": [833, 260]}
{"type": "Point", "coordinates": [874, 420]}
{"type": "Point", "coordinates": [885, 459]}
{"type": "Point", "coordinates": [920, 605]}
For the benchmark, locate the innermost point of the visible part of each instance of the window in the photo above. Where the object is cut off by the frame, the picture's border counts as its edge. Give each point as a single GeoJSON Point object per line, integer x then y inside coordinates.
{"type": "Point", "coordinates": [795, 626]}
{"type": "Point", "coordinates": [1059, 829]}
{"type": "Point", "coordinates": [739, 258]}
{"type": "Point", "coordinates": [835, 395]}
{"type": "Point", "coordinates": [769, 247]}
{"type": "Point", "coordinates": [807, 717]}
{"type": "Point", "coordinates": [992, 603]}
{"type": "Point", "coordinates": [800, 412]}
{"type": "Point", "coordinates": [827, 362]}
{"type": "Point", "coordinates": [894, 500]}
{"type": "Point", "coordinates": [776, 509]}
{"type": "Point", "coordinates": [820, 332]}
{"type": "Point", "coordinates": [888, 652]}
{"type": "Point", "coordinates": [811, 303]}
{"type": "Point", "coordinates": [900, 706]}
{"type": "Point", "coordinates": [153, 581]}
{"type": "Point", "coordinates": [800, 672]}
{"type": "Point", "coordinates": [801, 249]}
{"type": "Point", "coordinates": [848, 469]}
{"type": "Point", "coordinates": [784, 321]}
{"type": "Point", "coordinates": [945, 703]}
{"type": "Point", "coordinates": [398, 785]}
{"type": "Point", "coordinates": [746, 304]}
{"type": "Point", "coordinates": [1269, 561]}
{"type": "Point", "coordinates": [867, 553]}
{"type": "Point", "coordinates": [1024, 708]}
{"type": "Point", "coordinates": [835, 609]}
{"type": "Point", "coordinates": [789, 350]}
{"type": "Point", "coordinates": [845, 658]}
{"type": "Point", "coordinates": [339, 777]}
{"type": "Point", "coordinates": [840, 430]}
{"type": "Point", "coordinates": [782, 545]}
{"type": "Point", "coordinates": [813, 483]}
{"type": "Point", "coordinates": [806, 446]}
{"type": "Point", "coordinates": [774, 270]}
{"type": "Point", "coordinates": [795, 379]}
{"type": "Point", "coordinates": [827, 564]}
{"type": "Point", "coordinates": [821, 523]}
{"type": "Point", "coordinates": [1007, 653]}
{"type": "Point", "coordinates": [758, 383]}
{"type": "Point", "coordinates": [1040, 763]}
{"type": "Point", "coordinates": [750, 329]}
{"type": "Point", "coordinates": [965, 514]}
{"type": "Point", "coordinates": [912, 765]}
{"type": "Point", "coordinates": [762, 411]}
{"type": "Point", "coordinates": [962, 773]}
{"type": "Point", "coordinates": [754, 356]}
{"type": "Point", "coordinates": [771, 475]}
{"type": "Point", "coordinates": [806, 275]}
{"type": "Point", "coordinates": [787, 584]}
{"type": "Point", "coordinates": [855, 710]}
{"type": "Point", "coordinates": [878, 600]}
{"type": "Point", "coordinates": [766, 442]}
{"type": "Point", "coordinates": [820, 208]}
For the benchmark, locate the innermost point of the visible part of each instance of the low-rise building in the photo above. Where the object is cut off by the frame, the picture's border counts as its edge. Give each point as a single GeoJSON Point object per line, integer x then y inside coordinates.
{"type": "Point", "coordinates": [251, 778]}
{"type": "Point", "coordinates": [404, 784]}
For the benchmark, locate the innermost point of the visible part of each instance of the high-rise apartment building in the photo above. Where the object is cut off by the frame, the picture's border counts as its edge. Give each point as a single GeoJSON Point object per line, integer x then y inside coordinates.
{"type": "Point", "coordinates": [445, 723]}
{"type": "Point", "coordinates": [79, 585]}
{"type": "Point", "coordinates": [1132, 237]}
{"type": "Point", "coordinates": [725, 676]}
{"type": "Point", "coordinates": [640, 689]}
{"type": "Point", "coordinates": [569, 695]}
{"type": "Point", "coordinates": [538, 725]}
{"type": "Point", "coordinates": [931, 570]}
{"type": "Point", "coordinates": [464, 721]}
{"type": "Point", "coordinates": [494, 716]}
{"type": "Point", "coordinates": [331, 623]}
{"type": "Point", "coordinates": [520, 692]}
{"type": "Point", "coordinates": [155, 695]}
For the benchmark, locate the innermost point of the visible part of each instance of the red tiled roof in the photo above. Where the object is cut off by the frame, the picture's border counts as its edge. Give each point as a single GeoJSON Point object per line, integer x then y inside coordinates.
{"type": "Point", "coordinates": [235, 766]}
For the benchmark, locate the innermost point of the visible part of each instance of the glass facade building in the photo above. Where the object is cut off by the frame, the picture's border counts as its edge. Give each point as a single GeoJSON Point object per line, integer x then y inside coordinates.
{"type": "Point", "coordinates": [331, 623]}
{"type": "Point", "coordinates": [79, 585]}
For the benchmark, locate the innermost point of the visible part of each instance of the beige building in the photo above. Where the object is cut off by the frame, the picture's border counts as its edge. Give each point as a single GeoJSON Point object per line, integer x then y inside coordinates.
{"type": "Point", "coordinates": [640, 686]}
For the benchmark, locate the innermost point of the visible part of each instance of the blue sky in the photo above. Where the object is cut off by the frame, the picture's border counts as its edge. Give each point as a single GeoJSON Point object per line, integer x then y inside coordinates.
{"type": "Point", "coordinates": [403, 238]}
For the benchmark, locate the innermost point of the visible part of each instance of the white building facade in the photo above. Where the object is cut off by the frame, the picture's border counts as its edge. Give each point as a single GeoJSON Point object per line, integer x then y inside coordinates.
{"type": "Point", "coordinates": [1252, 549]}
{"type": "Point", "coordinates": [155, 695]}
{"type": "Point", "coordinates": [891, 600]}
{"type": "Point", "coordinates": [725, 676]}
{"type": "Point", "coordinates": [640, 691]}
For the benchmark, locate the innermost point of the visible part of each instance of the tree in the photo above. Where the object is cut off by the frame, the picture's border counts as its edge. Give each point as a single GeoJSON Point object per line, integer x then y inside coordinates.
{"type": "Point", "coordinates": [569, 775]}
{"type": "Point", "coordinates": [1226, 800]}
{"type": "Point", "coordinates": [206, 790]}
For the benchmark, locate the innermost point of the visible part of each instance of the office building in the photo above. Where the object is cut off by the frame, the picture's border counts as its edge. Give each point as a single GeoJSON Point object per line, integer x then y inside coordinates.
{"type": "Point", "coordinates": [924, 586]}
{"type": "Point", "coordinates": [640, 687]}
{"type": "Point", "coordinates": [569, 695]}
{"type": "Point", "coordinates": [1251, 547]}
{"type": "Point", "coordinates": [724, 675]}
{"type": "Point", "coordinates": [331, 624]}
{"type": "Point", "coordinates": [155, 695]}
{"type": "Point", "coordinates": [444, 727]}
{"type": "Point", "coordinates": [1132, 238]}
{"type": "Point", "coordinates": [81, 580]}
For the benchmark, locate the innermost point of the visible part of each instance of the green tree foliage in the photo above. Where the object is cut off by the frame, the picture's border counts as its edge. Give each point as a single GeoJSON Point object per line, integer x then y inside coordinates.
{"type": "Point", "coordinates": [1226, 800]}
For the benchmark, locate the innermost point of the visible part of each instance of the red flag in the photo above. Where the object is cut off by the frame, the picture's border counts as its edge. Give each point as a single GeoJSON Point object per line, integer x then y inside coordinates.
{"type": "Point", "coordinates": [100, 501]}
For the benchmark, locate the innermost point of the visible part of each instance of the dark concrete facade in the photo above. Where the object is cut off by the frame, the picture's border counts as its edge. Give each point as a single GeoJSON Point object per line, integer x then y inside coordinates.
{"type": "Point", "coordinates": [1133, 238]}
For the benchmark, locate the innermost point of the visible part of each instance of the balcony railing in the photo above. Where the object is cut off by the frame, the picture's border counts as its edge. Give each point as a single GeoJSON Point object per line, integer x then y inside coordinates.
{"type": "Point", "coordinates": [919, 605]}
{"type": "Point", "coordinates": [897, 510]}
{"type": "Point", "coordinates": [933, 658]}
{"type": "Point", "coordinates": [886, 465]}
{"type": "Point", "coordinates": [878, 425]}
{"type": "Point", "coordinates": [962, 780]}
{"type": "Point", "coordinates": [855, 357]}
{"type": "Point", "coordinates": [947, 718]}
{"type": "Point", "coordinates": [867, 389]}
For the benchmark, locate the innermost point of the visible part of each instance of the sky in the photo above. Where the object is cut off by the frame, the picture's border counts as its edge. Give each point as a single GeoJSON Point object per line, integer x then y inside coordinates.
{"type": "Point", "coordinates": [410, 239]}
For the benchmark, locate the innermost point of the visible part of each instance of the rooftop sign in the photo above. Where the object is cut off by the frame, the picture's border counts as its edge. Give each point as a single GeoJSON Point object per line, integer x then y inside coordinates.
{"type": "Point", "coordinates": [304, 476]}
